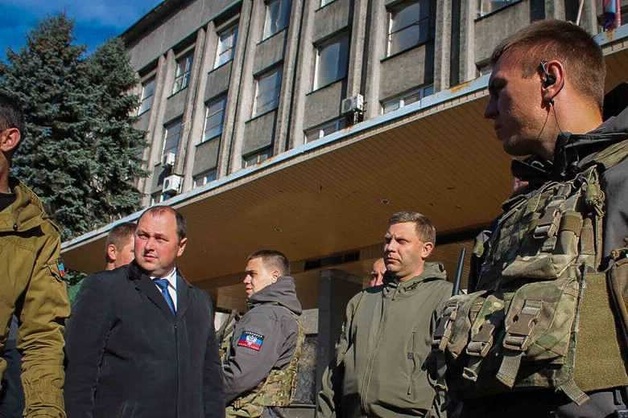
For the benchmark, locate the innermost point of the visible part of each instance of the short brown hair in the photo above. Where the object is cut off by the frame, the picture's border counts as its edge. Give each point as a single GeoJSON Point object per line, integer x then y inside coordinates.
{"type": "Point", "coordinates": [120, 235]}
{"type": "Point", "coordinates": [160, 210]}
{"type": "Point", "coordinates": [566, 42]}
{"type": "Point", "coordinates": [272, 258]}
{"type": "Point", "coordinates": [424, 228]}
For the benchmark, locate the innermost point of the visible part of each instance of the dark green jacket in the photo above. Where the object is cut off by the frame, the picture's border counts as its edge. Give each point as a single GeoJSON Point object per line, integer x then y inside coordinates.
{"type": "Point", "coordinates": [32, 288]}
{"type": "Point", "coordinates": [381, 361]}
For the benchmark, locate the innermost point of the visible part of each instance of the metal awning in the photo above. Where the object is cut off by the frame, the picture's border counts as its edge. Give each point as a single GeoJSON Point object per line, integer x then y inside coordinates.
{"type": "Point", "coordinates": [439, 157]}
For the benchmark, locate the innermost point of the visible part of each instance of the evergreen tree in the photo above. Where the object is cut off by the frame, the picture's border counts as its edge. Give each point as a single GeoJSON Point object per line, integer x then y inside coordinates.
{"type": "Point", "coordinates": [117, 146]}
{"type": "Point", "coordinates": [79, 151]}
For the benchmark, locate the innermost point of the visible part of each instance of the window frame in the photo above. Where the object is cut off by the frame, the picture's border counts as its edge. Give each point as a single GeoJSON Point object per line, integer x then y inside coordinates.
{"type": "Point", "coordinates": [208, 104]}
{"type": "Point", "coordinates": [482, 3]}
{"type": "Point", "coordinates": [143, 99]}
{"type": "Point", "coordinates": [394, 11]}
{"type": "Point", "coordinates": [402, 99]}
{"type": "Point", "coordinates": [319, 131]}
{"type": "Point", "coordinates": [271, 104]}
{"type": "Point", "coordinates": [268, 31]}
{"type": "Point", "coordinates": [204, 176]}
{"type": "Point", "coordinates": [220, 52]}
{"type": "Point", "coordinates": [342, 40]}
{"type": "Point", "coordinates": [182, 73]}
{"type": "Point", "coordinates": [260, 155]}
{"type": "Point", "coordinates": [167, 129]}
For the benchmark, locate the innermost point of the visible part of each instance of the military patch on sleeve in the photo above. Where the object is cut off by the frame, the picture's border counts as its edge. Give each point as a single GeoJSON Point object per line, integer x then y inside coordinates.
{"type": "Point", "coordinates": [61, 268]}
{"type": "Point", "coordinates": [251, 340]}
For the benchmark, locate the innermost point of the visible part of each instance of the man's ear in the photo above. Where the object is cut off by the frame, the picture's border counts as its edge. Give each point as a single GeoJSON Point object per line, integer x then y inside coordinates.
{"type": "Point", "coordinates": [182, 245]}
{"type": "Point", "coordinates": [428, 247]}
{"type": "Point", "coordinates": [9, 140]}
{"type": "Point", "coordinates": [112, 253]}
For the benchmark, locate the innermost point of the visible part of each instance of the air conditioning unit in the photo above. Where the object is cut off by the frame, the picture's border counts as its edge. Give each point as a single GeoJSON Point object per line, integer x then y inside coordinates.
{"type": "Point", "coordinates": [169, 159]}
{"type": "Point", "coordinates": [353, 104]}
{"type": "Point", "coordinates": [172, 184]}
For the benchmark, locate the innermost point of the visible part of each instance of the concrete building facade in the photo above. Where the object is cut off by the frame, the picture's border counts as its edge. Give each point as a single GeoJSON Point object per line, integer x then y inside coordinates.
{"type": "Point", "coordinates": [302, 125]}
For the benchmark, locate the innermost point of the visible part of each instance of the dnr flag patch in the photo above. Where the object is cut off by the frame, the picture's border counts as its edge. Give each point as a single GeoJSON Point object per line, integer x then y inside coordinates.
{"type": "Point", "coordinates": [251, 340]}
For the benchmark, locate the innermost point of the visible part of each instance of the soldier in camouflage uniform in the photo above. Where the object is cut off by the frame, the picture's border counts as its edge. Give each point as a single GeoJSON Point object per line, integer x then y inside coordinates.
{"type": "Point", "coordinates": [537, 334]}
{"type": "Point", "coordinates": [31, 281]}
{"type": "Point", "coordinates": [261, 352]}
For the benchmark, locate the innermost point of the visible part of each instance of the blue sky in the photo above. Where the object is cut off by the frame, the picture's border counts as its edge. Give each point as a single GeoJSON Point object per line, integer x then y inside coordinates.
{"type": "Point", "coordinates": [95, 20]}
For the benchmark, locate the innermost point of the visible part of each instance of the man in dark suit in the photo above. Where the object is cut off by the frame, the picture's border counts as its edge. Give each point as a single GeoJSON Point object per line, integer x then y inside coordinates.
{"type": "Point", "coordinates": [141, 340]}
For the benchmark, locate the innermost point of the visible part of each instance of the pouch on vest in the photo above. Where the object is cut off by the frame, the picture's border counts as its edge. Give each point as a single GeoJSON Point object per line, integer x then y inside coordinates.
{"type": "Point", "coordinates": [617, 277]}
{"type": "Point", "coordinates": [539, 329]}
{"type": "Point", "coordinates": [454, 325]}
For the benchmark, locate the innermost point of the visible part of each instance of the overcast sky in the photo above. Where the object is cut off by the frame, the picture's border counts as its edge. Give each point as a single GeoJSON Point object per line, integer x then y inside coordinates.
{"type": "Point", "coordinates": [95, 20]}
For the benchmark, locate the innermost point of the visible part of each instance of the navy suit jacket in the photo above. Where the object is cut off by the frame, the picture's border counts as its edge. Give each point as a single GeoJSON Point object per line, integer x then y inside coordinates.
{"type": "Point", "coordinates": [129, 356]}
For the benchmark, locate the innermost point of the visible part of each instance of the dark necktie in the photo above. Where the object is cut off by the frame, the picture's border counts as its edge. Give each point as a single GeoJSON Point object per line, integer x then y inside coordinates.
{"type": "Point", "coordinates": [162, 284]}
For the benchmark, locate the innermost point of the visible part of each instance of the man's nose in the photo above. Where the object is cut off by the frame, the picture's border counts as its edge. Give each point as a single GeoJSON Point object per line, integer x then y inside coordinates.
{"type": "Point", "coordinates": [491, 110]}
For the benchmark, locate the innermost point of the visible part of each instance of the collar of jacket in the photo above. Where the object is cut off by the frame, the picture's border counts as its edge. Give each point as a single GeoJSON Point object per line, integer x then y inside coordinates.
{"type": "Point", "coordinates": [281, 293]}
{"type": "Point", "coordinates": [431, 271]}
{"type": "Point", "coordinates": [570, 156]}
{"type": "Point", "coordinates": [26, 213]}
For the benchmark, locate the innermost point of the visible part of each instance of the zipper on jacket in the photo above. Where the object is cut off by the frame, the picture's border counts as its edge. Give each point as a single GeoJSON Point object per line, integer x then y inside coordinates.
{"type": "Point", "coordinates": [366, 380]}
{"type": "Point", "coordinates": [411, 356]}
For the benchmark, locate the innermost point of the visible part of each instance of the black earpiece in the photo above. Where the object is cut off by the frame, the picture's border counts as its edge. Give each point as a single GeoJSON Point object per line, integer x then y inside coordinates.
{"type": "Point", "coordinates": [549, 78]}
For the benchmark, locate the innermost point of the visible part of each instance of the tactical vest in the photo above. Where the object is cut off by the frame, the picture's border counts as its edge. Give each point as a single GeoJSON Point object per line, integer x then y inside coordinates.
{"type": "Point", "coordinates": [277, 389]}
{"type": "Point", "coordinates": [542, 311]}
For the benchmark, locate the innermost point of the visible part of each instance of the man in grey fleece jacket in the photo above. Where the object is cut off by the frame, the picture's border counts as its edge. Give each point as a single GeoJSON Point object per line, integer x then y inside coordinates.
{"type": "Point", "coordinates": [258, 368]}
{"type": "Point", "coordinates": [382, 366]}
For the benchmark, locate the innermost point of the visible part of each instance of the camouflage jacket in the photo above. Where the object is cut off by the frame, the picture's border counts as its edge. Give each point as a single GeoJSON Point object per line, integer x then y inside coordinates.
{"type": "Point", "coordinates": [33, 289]}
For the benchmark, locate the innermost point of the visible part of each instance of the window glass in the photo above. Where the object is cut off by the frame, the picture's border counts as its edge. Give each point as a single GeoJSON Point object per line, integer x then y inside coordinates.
{"type": "Point", "coordinates": [409, 25]}
{"type": "Point", "coordinates": [204, 178]}
{"type": "Point", "coordinates": [268, 87]}
{"type": "Point", "coordinates": [257, 157]}
{"type": "Point", "coordinates": [148, 92]}
{"type": "Point", "coordinates": [324, 130]}
{"type": "Point", "coordinates": [172, 136]}
{"type": "Point", "coordinates": [489, 6]}
{"type": "Point", "coordinates": [226, 46]}
{"type": "Point", "coordinates": [214, 117]}
{"type": "Point", "coordinates": [182, 73]}
{"type": "Point", "coordinates": [407, 98]}
{"type": "Point", "coordinates": [331, 61]}
{"type": "Point", "coordinates": [277, 16]}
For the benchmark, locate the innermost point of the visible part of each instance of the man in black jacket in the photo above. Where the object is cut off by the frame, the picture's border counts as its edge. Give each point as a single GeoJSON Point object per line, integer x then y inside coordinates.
{"type": "Point", "coordinates": [141, 340]}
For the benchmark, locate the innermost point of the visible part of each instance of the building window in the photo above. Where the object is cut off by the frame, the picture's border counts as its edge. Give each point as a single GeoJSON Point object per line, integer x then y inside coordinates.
{"type": "Point", "coordinates": [489, 6]}
{"type": "Point", "coordinates": [277, 16]}
{"type": "Point", "coordinates": [267, 89]}
{"type": "Point", "coordinates": [182, 74]}
{"type": "Point", "coordinates": [409, 25]}
{"type": "Point", "coordinates": [158, 197]}
{"type": "Point", "coordinates": [407, 98]}
{"type": "Point", "coordinates": [257, 157]}
{"type": "Point", "coordinates": [172, 136]}
{"type": "Point", "coordinates": [204, 178]}
{"type": "Point", "coordinates": [148, 92]}
{"type": "Point", "coordinates": [324, 130]}
{"type": "Point", "coordinates": [214, 117]}
{"type": "Point", "coordinates": [331, 61]}
{"type": "Point", "coordinates": [226, 46]}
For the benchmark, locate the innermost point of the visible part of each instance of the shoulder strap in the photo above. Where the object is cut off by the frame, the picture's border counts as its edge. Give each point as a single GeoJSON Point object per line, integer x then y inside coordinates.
{"type": "Point", "coordinates": [609, 156]}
